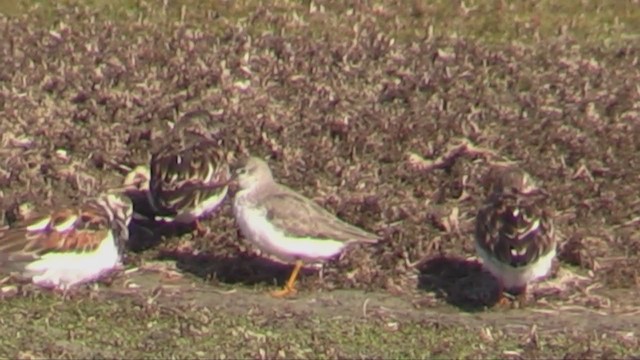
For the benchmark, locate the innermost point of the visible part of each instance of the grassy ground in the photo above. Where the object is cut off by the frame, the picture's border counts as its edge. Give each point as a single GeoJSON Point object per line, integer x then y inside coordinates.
{"type": "Point", "coordinates": [338, 96]}
{"type": "Point", "coordinates": [189, 319]}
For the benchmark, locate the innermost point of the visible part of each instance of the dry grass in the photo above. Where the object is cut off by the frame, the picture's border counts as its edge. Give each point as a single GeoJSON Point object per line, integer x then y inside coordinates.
{"type": "Point", "coordinates": [346, 115]}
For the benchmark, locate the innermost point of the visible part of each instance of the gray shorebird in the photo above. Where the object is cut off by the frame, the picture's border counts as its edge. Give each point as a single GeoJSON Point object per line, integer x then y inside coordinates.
{"type": "Point", "coordinates": [514, 235]}
{"type": "Point", "coordinates": [288, 225]}
{"type": "Point", "coordinates": [189, 172]}
{"type": "Point", "coordinates": [66, 246]}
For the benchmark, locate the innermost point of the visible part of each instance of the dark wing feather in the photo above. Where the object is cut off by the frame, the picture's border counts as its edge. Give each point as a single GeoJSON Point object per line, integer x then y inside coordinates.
{"type": "Point", "coordinates": [302, 217]}
{"type": "Point", "coordinates": [186, 171]}
{"type": "Point", "coordinates": [514, 230]}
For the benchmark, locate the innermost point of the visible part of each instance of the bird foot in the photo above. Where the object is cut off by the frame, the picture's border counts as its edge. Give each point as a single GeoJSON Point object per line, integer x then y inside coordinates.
{"type": "Point", "coordinates": [510, 301]}
{"type": "Point", "coordinates": [284, 292]}
{"type": "Point", "coordinates": [503, 301]}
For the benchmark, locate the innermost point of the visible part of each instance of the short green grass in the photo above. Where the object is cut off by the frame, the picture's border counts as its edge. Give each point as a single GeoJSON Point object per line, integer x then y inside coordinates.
{"type": "Point", "coordinates": [48, 326]}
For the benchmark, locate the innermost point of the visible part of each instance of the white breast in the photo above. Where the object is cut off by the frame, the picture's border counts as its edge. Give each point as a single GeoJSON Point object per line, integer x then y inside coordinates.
{"type": "Point", "coordinates": [512, 277]}
{"type": "Point", "coordinates": [63, 270]}
{"type": "Point", "coordinates": [204, 208]}
{"type": "Point", "coordinates": [255, 227]}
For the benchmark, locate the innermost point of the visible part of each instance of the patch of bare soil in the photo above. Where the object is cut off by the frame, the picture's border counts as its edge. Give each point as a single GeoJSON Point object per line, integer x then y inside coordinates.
{"type": "Point", "coordinates": [361, 123]}
{"type": "Point", "coordinates": [622, 317]}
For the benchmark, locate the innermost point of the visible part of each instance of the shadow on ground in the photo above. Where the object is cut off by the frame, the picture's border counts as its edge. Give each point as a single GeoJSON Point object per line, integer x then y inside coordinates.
{"type": "Point", "coordinates": [147, 234]}
{"type": "Point", "coordinates": [241, 268]}
{"type": "Point", "coordinates": [460, 282]}
{"type": "Point", "coordinates": [144, 231]}
{"type": "Point", "coordinates": [245, 269]}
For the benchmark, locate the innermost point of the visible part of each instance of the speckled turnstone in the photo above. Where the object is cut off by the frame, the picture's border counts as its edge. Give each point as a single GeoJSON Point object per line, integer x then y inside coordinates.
{"type": "Point", "coordinates": [514, 235]}
{"type": "Point", "coordinates": [67, 246]}
{"type": "Point", "coordinates": [189, 172]}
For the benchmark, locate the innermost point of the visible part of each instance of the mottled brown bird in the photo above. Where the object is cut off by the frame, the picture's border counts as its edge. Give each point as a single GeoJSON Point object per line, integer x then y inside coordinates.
{"type": "Point", "coordinates": [189, 172]}
{"type": "Point", "coordinates": [62, 247]}
{"type": "Point", "coordinates": [514, 235]}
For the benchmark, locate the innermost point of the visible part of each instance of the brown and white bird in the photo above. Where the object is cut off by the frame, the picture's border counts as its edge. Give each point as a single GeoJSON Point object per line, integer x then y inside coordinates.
{"type": "Point", "coordinates": [66, 246]}
{"type": "Point", "coordinates": [285, 224]}
{"type": "Point", "coordinates": [189, 172]}
{"type": "Point", "coordinates": [514, 235]}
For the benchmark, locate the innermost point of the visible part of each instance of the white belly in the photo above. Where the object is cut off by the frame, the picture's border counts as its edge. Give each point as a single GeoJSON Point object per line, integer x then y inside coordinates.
{"type": "Point", "coordinates": [512, 277]}
{"type": "Point", "coordinates": [203, 209]}
{"type": "Point", "coordinates": [255, 227]}
{"type": "Point", "coordinates": [63, 271]}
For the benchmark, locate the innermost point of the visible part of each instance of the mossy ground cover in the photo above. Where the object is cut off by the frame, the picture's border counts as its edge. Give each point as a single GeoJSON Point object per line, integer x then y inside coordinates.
{"type": "Point", "coordinates": [343, 98]}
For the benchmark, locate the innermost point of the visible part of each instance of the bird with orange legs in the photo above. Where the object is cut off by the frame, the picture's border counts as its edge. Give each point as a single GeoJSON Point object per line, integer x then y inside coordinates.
{"type": "Point", "coordinates": [284, 223]}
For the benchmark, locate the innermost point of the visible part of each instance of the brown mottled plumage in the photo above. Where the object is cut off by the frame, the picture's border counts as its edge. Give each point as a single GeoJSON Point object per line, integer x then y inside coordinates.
{"type": "Point", "coordinates": [514, 234]}
{"type": "Point", "coordinates": [66, 246]}
{"type": "Point", "coordinates": [188, 172]}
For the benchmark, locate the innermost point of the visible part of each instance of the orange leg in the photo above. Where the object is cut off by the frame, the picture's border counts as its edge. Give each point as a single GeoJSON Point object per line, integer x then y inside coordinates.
{"type": "Point", "coordinates": [289, 288]}
{"type": "Point", "coordinates": [200, 229]}
{"type": "Point", "coordinates": [503, 300]}
{"type": "Point", "coordinates": [522, 297]}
